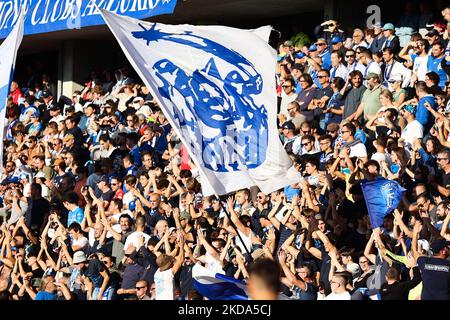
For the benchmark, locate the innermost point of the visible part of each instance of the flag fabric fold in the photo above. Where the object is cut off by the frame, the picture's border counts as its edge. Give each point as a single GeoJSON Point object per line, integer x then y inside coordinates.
{"type": "Point", "coordinates": [218, 286]}
{"type": "Point", "coordinates": [382, 197]}
{"type": "Point", "coordinates": [216, 86]}
{"type": "Point", "coordinates": [8, 54]}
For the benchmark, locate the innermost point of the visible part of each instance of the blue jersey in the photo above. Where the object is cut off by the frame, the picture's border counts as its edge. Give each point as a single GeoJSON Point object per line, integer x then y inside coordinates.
{"type": "Point", "coordinates": [434, 65]}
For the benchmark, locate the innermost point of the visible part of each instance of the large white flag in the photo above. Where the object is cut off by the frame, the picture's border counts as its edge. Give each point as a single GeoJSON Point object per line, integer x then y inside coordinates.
{"type": "Point", "coordinates": [216, 86]}
{"type": "Point", "coordinates": [8, 54]}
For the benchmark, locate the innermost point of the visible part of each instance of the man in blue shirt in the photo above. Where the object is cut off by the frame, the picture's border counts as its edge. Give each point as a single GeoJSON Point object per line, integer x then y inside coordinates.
{"type": "Point", "coordinates": [76, 214]}
{"type": "Point", "coordinates": [324, 53]}
{"type": "Point", "coordinates": [424, 116]}
{"type": "Point", "coordinates": [48, 289]}
{"type": "Point", "coordinates": [434, 64]}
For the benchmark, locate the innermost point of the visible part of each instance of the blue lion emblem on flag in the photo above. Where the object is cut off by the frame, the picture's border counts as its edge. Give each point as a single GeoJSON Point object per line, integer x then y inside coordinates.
{"type": "Point", "coordinates": [218, 107]}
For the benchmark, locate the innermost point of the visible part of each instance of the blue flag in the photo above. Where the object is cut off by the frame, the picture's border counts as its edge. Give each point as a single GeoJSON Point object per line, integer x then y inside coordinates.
{"type": "Point", "coordinates": [217, 286]}
{"type": "Point", "coordinates": [382, 197]}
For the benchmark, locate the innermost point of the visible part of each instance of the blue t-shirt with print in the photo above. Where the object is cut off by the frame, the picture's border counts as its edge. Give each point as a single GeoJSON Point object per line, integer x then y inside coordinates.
{"type": "Point", "coordinates": [423, 115]}
{"type": "Point", "coordinates": [434, 65]}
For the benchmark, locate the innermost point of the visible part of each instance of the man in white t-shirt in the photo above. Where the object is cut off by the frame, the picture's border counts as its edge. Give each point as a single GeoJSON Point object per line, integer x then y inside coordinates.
{"type": "Point", "coordinates": [419, 58]}
{"type": "Point", "coordinates": [164, 276]}
{"type": "Point", "coordinates": [338, 288]}
{"type": "Point", "coordinates": [413, 130]}
{"type": "Point", "coordinates": [357, 148]}
{"type": "Point", "coordinates": [132, 239]}
{"type": "Point", "coordinates": [79, 241]}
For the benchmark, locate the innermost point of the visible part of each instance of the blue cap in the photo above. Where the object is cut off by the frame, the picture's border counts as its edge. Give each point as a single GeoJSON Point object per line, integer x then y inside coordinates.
{"type": "Point", "coordinates": [299, 55]}
{"type": "Point", "coordinates": [388, 26]}
{"type": "Point", "coordinates": [132, 205]}
{"type": "Point", "coordinates": [411, 109]}
{"type": "Point", "coordinates": [312, 47]}
{"type": "Point", "coordinates": [336, 40]}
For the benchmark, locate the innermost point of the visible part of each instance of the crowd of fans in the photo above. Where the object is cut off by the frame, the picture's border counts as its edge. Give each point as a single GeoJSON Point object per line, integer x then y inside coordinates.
{"type": "Point", "coordinates": [100, 200]}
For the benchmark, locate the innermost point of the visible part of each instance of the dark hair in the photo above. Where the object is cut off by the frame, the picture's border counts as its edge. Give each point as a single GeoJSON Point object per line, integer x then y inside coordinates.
{"type": "Point", "coordinates": [338, 82]}
{"type": "Point", "coordinates": [372, 163]}
{"type": "Point", "coordinates": [388, 50]}
{"type": "Point", "coordinates": [306, 77]}
{"type": "Point", "coordinates": [131, 179]}
{"type": "Point", "coordinates": [268, 271]}
{"type": "Point", "coordinates": [434, 77]}
{"type": "Point", "coordinates": [75, 226]}
{"type": "Point", "coordinates": [351, 127]}
{"type": "Point", "coordinates": [71, 197]}
{"type": "Point", "coordinates": [356, 73]}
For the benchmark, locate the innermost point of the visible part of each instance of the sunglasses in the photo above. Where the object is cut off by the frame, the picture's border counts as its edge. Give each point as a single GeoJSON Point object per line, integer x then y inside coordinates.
{"type": "Point", "coordinates": [329, 131]}
{"type": "Point", "coordinates": [140, 288]}
{"type": "Point", "coordinates": [286, 86]}
{"type": "Point", "coordinates": [321, 44]}
{"type": "Point", "coordinates": [321, 77]}
{"type": "Point", "coordinates": [305, 144]}
{"type": "Point", "coordinates": [350, 56]}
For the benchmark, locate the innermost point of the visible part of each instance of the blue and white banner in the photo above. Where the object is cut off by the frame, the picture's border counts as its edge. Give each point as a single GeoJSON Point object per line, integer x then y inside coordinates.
{"type": "Point", "coordinates": [55, 15]}
{"type": "Point", "coordinates": [217, 286]}
{"type": "Point", "coordinates": [382, 197]}
{"type": "Point", "coordinates": [216, 86]}
{"type": "Point", "coordinates": [8, 54]}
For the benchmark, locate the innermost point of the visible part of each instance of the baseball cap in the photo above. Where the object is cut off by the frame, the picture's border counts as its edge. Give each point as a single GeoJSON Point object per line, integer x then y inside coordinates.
{"type": "Point", "coordinates": [336, 40]}
{"type": "Point", "coordinates": [40, 174]}
{"type": "Point", "coordinates": [34, 115]}
{"type": "Point", "coordinates": [371, 75]}
{"type": "Point", "coordinates": [79, 257]}
{"type": "Point", "coordinates": [388, 26]}
{"type": "Point", "coordinates": [53, 108]}
{"type": "Point", "coordinates": [410, 108]}
{"type": "Point", "coordinates": [46, 94]}
{"type": "Point", "coordinates": [57, 162]}
{"type": "Point", "coordinates": [432, 33]}
{"type": "Point", "coordinates": [288, 125]}
{"type": "Point", "coordinates": [396, 77]}
{"type": "Point", "coordinates": [438, 245]}
{"type": "Point", "coordinates": [312, 47]}
{"type": "Point", "coordinates": [184, 215]}
{"type": "Point", "coordinates": [299, 55]}
{"type": "Point", "coordinates": [138, 99]}
{"type": "Point", "coordinates": [288, 43]}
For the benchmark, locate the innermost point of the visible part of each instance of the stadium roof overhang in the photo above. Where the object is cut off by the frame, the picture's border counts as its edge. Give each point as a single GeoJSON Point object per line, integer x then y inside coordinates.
{"type": "Point", "coordinates": [227, 12]}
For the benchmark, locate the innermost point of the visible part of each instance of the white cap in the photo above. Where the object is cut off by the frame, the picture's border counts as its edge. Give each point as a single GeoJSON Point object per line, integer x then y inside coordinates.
{"type": "Point", "coordinates": [40, 174]}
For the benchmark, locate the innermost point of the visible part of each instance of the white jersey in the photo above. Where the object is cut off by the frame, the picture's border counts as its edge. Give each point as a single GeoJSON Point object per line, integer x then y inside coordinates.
{"type": "Point", "coordinates": [165, 285]}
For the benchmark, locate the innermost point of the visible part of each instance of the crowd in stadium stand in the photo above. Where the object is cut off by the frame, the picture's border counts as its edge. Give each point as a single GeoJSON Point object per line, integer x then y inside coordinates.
{"type": "Point", "coordinates": [99, 199]}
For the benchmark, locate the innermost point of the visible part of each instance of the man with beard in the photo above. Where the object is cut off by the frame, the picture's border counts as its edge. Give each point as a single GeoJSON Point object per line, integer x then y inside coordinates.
{"type": "Point", "coordinates": [443, 183]}
{"type": "Point", "coordinates": [297, 118]}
